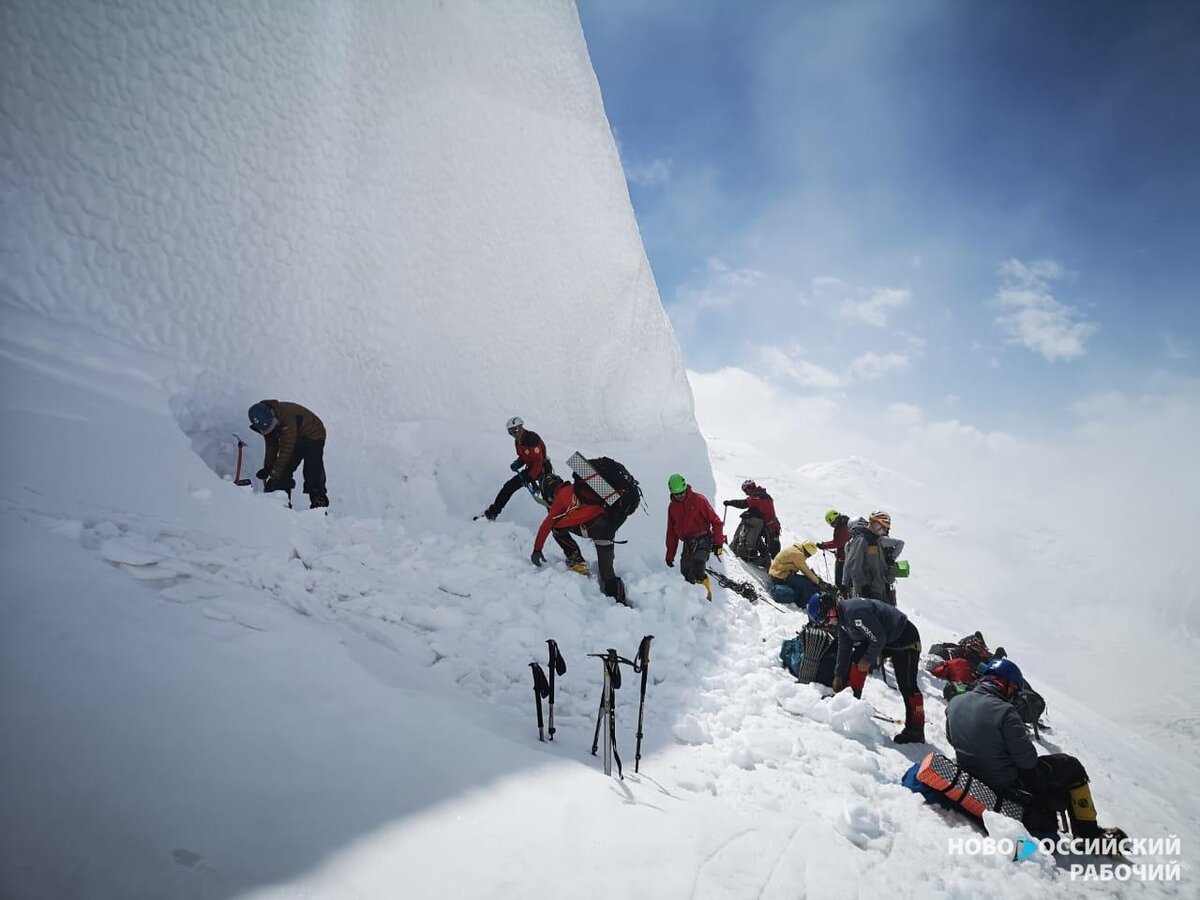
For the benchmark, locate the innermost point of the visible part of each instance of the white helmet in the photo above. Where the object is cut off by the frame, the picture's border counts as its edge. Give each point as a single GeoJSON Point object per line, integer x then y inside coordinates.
{"type": "Point", "coordinates": [514, 423]}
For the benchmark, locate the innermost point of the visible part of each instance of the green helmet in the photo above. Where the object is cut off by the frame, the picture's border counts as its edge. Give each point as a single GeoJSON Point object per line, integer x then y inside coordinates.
{"type": "Point", "coordinates": [676, 484]}
{"type": "Point", "coordinates": [831, 516]}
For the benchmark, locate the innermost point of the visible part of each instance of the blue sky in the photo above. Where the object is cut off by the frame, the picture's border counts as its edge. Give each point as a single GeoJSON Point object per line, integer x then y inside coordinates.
{"type": "Point", "coordinates": [985, 211]}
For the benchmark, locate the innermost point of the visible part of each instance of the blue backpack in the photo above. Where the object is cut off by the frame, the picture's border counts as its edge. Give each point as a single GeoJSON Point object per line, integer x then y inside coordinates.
{"type": "Point", "coordinates": [811, 654]}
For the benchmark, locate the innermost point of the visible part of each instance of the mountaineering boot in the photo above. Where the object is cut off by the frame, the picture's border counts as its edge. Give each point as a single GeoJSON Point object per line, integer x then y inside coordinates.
{"type": "Point", "coordinates": [317, 501]}
{"type": "Point", "coordinates": [578, 564]}
{"type": "Point", "coordinates": [615, 588]}
{"type": "Point", "coordinates": [707, 586]}
{"type": "Point", "coordinates": [914, 721]}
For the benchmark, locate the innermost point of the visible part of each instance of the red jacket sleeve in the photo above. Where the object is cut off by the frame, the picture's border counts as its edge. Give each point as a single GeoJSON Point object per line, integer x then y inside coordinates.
{"type": "Point", "coordinates": [672, 533]}
{"type": "Point", "coordinates": [565, 512]}
{"type": "Point", "coordinates": [714, 520]}
{"type": "Point", "coordinates": [558, 508]}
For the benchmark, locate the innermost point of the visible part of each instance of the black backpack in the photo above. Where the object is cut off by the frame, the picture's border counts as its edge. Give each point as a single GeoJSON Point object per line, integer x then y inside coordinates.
{"type": "Point", "coordinates": [629, 493]}
{"type": "Point", "coordinates": [1030, 705]}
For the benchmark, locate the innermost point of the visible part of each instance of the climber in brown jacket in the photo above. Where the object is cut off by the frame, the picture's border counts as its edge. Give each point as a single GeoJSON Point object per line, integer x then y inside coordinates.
{"type": "Point", "coordinates": [293, 435]}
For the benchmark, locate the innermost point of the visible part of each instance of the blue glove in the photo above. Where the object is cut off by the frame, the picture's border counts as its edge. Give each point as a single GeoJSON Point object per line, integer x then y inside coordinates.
{"type": "Point", "coordinates": [516, 466]}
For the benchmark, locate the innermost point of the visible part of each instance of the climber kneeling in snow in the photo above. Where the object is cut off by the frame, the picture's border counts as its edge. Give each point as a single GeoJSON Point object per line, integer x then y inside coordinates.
{"type": "Point", "coordinates": [692, 520]}
{"type": "Point", "coordinates": [868, 630]}
{"type": "Point", "coordinates": [991, 744]}
{"type": "Point", "coordinates": [792, 581]}
{"type": "Point", "coordinates": [569, 515]}
{"type": "Point", "coordinates": [293, 435]}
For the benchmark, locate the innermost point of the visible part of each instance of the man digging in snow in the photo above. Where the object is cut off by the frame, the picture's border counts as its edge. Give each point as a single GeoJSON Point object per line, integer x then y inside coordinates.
{"type": "Point", "coordinates": [867, 630]}
{"type": "Point", "coordinates": [293, 435]}
{"type": "Point", "coordinates": [569, 515]}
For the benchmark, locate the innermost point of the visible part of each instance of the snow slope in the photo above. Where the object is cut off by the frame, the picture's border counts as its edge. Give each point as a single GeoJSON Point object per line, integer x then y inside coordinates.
{"type": "Point", "coordinates": [1027, 536]}
{"type": "Point", "coordinates": [378, 209]}
{"type": "Point", "coordinates": [211, 696]}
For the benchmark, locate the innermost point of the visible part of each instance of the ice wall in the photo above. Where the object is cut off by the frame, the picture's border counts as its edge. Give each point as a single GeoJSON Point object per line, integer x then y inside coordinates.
{"type": "Point", "coordinates": [398, 210]}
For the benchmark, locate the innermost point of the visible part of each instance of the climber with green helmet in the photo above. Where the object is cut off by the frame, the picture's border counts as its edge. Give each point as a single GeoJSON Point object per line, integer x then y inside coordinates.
{"type": "Point", "coordinates": [841, 537]}
{"type": "Point", "coordinates": [692, 521]}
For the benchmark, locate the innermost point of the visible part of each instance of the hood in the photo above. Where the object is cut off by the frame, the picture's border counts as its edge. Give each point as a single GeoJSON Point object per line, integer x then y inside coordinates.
{"type": "Point", "coordinates": [858, 525]}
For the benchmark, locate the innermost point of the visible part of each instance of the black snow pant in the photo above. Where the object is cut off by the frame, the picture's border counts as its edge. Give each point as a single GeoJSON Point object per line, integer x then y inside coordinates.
{"type": "Point", "coordinates": [771, 543]}
{"type": "Point", "coordinates": [567, 544]}
{"type": "Point", "coordinates": [887, 595]}
{"type": "Point", "coordinates": [312, 454]}
{"type": "Point", "coordinates": [905, 654]}
{"type": "Point", "coordinates": [1056, 775]}
{"type": "Point", "coordinates": [693, 558]}
{"type": "Point", "coordinates": [516, 483]}
{"type": "Point", "coordinates": [837, 570]}
{"type": "Point", "coordinates": [603, 532]}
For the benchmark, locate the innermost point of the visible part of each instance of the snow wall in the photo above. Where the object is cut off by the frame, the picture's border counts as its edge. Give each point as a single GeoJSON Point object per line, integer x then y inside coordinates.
{"type": "Point", "coordinates": [390, 212]}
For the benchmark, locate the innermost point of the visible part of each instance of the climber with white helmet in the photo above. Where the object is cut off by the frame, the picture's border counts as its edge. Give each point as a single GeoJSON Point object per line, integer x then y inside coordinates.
{"type": "Point", "coordinates": [531, 466]}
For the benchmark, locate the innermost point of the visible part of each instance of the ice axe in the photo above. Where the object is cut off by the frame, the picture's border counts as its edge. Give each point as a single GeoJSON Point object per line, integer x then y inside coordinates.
{"type": "Point", "coordinates": [825, 562]}
{"type": "Point", "coordinates": [237, 475]}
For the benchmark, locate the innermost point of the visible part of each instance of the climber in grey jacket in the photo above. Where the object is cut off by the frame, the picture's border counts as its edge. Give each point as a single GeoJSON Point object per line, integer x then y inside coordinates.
{"type": "Point", "coordinates": [991, 743]}
{"type": "Point", "coordinates": [867, 572]}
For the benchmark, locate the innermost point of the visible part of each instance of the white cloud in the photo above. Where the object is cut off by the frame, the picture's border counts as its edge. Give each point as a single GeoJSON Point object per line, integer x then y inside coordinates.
{"type": "Point", "coordinates": [904, 415]}
{"type": "Point", "coordinates": [791, 364]}
{"type": "Point", "coordinates": [650, 174]}
{"type": "Point", "coordinates": [718, 285]}
{"type": "Point", "coordinates": [870, 366]}
{"type": "Point", "coordinates": [1176, 348]}
{"type": "Point", "coordinates": [1034, 317]}
{"type": "Point", "coordinates": [870, 306]}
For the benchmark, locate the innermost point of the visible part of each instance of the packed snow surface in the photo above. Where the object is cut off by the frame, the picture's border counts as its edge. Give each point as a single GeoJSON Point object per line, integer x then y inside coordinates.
{"type": "Point", "coordinates": [210, 695]}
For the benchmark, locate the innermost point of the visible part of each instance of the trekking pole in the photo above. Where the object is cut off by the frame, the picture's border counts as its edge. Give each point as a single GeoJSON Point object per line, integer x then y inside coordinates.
{"type": "Point", "coordinates": [237, 475]}
{"type": "Point", "coordinates": [601, 715]}
{"type": "Point", "coordinates": [825, 563]}
{"type": "Point", "coordinates": [540, 690]}
{"type": "Point", "coordinates": [608, 709]}
{"type": "Point", "coordinates": [557, 666]}
{"type": "Point", "coordinates": [603, 696]}
{"type": "Point", "coordinates": [641, 665]}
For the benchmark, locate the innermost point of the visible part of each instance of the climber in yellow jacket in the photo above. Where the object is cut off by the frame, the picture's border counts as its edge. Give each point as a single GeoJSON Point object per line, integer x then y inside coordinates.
{"type": "Point", "coordinates": [792, 581]}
